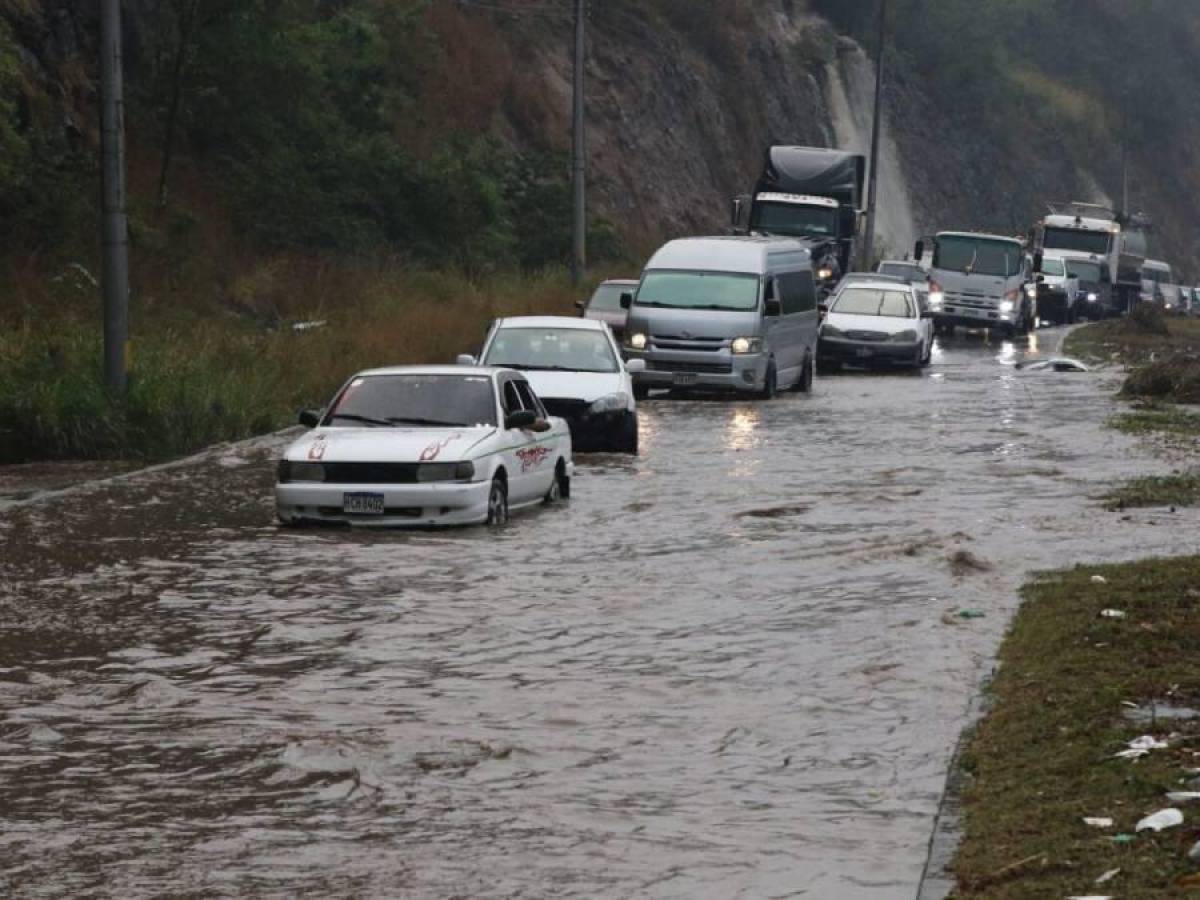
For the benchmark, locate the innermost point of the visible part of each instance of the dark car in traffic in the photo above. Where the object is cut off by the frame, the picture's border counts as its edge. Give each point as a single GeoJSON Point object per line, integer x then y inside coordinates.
{"type": "Point", "coordinates": [605, 304]}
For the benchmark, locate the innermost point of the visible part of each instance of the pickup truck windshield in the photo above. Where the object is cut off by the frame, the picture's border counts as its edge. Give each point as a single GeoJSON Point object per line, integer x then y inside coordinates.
{"type": "Point", "coordinates": [551, 350]}
{"type": "Point", "coordinates": [977, 256]}
{"type": "Point", "coordinates": [1084, 271]}
{"type": "Point", "coordinates": [699, 290]}
{"type": "Point", "coordinates": [382, 401]}
{"type": "Point", "coordinates": [794, 220]}
{"type": "Point", "coordinates": [1076, 240]}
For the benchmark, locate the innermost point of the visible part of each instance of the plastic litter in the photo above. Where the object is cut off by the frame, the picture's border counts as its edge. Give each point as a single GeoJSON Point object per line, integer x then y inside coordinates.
{"type": "Point", "coordinates": [1099, 579]}
{"type": "Point", "coordinates": [1108, 876]}
{"type": "Point", "coordinates": [1194, 853]}
{"type": "Point", "coordinates": [1097, 822]}
{"type": "Point", "coordinates": [1090, 897]}
{"type": "Point", "coordinates": [1112, 614]}
{"type": "Point", "coordinates": [1183, 796]}
{"type": "Point", "coordinates": [970, 614]}
{"type": "Point", "coordinates": [1161, 820]}
{"type": "Point", "coordinates": [1123, 838]}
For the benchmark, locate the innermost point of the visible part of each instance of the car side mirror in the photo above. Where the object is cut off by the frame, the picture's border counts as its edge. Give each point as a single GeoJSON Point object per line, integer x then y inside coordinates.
{"type": "Point", "coordinates": [635, 366]}
{"type": "Point", "coordinates": [465, 359]}
{"type": "Point", "coordinates": [1040, 279]}
{"type": "Point", "coordinates": [772, 309]}
{"type": "Point", "coordinates": [626, 299]}
{"type": "Point", "coordinates": [310, 418]}
{"type": "Point", "coordinates": [525, 420]}
{"type": "Point", "coordinates": [540, 426]}
{"type": "Point", "coordinates": [919, 251]}
{"type": "Point", "coordinates": [580, 305]}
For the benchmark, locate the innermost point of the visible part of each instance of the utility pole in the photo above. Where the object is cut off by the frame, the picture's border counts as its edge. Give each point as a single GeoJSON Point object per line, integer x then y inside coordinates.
{"type": "Point", "coordinates": [114, 227]}
{"type": "Point", "coordinates": [873, 189]}
{"type": "Point", "coordinates": [579, 151]}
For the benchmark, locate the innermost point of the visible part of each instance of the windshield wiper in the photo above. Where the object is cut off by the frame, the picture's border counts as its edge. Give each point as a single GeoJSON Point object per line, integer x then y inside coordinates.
{"type": "Point", "coordinates": [406, 420]}
{"type": "Point", "coordinates": [367, 420]}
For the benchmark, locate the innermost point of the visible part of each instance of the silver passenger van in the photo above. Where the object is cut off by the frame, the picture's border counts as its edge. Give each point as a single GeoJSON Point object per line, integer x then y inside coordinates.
{"type": "Point", "coordinates": [725, 314]}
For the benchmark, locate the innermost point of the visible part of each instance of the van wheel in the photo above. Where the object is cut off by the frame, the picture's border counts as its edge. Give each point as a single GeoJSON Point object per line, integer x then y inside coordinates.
{"type": "Point", "coordinates": [805, 382]}
{"type": "Point", "coordinates": [770, 383]}
{"type": "Point", "coordinates": [497, 511]}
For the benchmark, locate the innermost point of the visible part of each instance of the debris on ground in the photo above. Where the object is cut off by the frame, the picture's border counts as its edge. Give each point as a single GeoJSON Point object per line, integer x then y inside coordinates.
{"type": "Point", "coordinates": [1142, 746]}
{"type": "Point", "coordinates": [1161, 820]}
{"type": "Point", "coordinates": [1194, 853]}
{"type": "Point", "coordinates": [958, 616]}
{"type": "Point", "coordinates": [964, 562]}
{"type": "Point", "coordinates": [1123, 838]}
{"type": "Point", "coordinates": [1097, 822]}
{"type": "Point", "coordinates": [1099, 579]}
{"type": "Point", "coordinates": [1108, 876]}
{"type": "Point", "coordinates": [1058, 364]}
{"type": "Point", "coordinates": [1112, 614]}
{"type": "Point", "coordinates": [1183, 796]}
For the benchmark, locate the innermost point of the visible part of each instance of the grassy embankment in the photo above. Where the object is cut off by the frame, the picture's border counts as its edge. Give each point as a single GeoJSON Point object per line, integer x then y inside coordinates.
{"type": "Point", "coordinates": [205, 372]}
{"type": "Point", "coordinates": [1044, 757]}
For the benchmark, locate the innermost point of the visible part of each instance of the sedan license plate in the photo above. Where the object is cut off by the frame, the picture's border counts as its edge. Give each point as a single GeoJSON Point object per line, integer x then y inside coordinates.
{"type": "Point", "coordinates": [362, 504]}
{"type": "Point", "coordinates": [683, 379]}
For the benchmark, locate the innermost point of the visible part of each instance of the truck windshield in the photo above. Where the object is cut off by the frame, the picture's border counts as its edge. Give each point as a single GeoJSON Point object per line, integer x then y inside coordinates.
{"type": "Point", "coordinates": [794, 220]}
{"type": "Point", "coordinates": [977, 256]}
{"type": "Point", "coordinates": [699, 290]}
{"type": "Point", "coordinates": [1076, 240]}
{"type": "Point", "coordinates": [1084, 271]}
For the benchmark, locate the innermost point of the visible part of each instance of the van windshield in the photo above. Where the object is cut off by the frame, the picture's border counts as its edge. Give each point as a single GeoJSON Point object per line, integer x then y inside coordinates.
{"type": "Point", "coordinates": [1076, 239]}
{"type": "Point", "coordinates": [977, 256]}
{"type": "Point", "coordinates": [699, 290]}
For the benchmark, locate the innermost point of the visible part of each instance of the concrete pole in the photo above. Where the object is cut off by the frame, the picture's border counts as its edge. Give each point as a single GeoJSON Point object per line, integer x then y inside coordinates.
{"type": "Point", "coordinates": [873, 189]}
{"type": "Point", "coordinates": [114, 226]}
{"type": "Point", "coordinates": [579, 151]}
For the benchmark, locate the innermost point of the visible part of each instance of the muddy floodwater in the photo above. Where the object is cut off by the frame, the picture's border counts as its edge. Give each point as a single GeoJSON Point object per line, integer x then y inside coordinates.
{"type": "Point", "coordinates": [731, 667]}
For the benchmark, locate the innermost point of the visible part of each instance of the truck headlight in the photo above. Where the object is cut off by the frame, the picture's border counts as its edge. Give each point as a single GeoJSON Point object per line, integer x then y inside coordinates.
{"type": "Point", "coordinates": [936, 299]}
{"type": "Point", "coordinates": [743, 345]}
{"type": "Point", "coordinates": [637, 341]}
{"type": "Point", "coordinates": [429, 472]}
{"type": "Point", "coordinates": [1031, 290]}
{"type": "Point", "coordinates": [292, 472]}
{"type": "Point", "coordinates": [1092, 298]}
{"type": "Point", "coordinates": [610, 403]}
{"type": "Point", "coordinates": [1006, 307]}
{"type": "Point", "coordinates": [824, 273]}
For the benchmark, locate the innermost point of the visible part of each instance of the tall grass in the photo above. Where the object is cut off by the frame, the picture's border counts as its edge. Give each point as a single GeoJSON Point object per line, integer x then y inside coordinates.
{"type": "Point", "coordinates": [239, 368]}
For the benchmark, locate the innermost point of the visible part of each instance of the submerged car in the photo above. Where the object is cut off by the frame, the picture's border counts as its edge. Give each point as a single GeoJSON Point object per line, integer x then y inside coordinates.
{"type": "Point", "coordinates": [576, 368]}
{"type": "Point", "coordinates": [425, 446]}
{"type": "Point", "coordinates": [880, 322]}
{"type": "Point", "coordinates": [605, 304]}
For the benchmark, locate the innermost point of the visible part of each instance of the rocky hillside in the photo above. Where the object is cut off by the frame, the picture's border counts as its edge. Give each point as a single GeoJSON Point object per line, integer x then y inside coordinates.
{"type": "Point", "coordinates": [437, 130]}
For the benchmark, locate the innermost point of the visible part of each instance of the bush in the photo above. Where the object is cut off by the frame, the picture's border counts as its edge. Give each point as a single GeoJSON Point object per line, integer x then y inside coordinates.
{"type": "Point", "coordinates": [1146, 318]}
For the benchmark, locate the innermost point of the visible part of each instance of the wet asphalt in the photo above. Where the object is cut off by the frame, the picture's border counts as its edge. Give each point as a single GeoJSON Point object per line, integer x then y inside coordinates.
{"type": "Point", "coordinates": [731, 667]}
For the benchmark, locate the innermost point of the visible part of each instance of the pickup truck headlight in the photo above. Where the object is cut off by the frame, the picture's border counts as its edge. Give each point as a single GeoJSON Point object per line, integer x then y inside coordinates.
{"type": "Point", "coordinates": [637, 341]}
{"type": "Point", "coordinates": [610, 403]}
{"type": "Point", "coordinates": [743, 345]}
{"type": "Point", "coordinates": [904, 337]}
{"type": "Point", "coordinates": [431, 472]}
{"type": "Point", "coordinates": [292, 472]}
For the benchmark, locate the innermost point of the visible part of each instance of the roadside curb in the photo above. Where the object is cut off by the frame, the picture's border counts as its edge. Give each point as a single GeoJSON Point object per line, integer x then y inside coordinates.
{"type": "Point", "coordinates": [197, 457]}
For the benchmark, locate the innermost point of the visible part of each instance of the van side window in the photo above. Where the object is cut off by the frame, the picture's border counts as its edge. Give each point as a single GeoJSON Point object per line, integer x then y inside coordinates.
{"type": "Point", "coordinates": [799, 292]}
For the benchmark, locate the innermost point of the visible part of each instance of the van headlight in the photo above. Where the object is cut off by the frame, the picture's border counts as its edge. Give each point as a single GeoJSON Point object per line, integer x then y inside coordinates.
{"type": "Point", "coordinates": [610, 403]}
{"type": "Point", "coordinates": [743, 345]}
{"type": "Point", "coordinates": [637, 341]}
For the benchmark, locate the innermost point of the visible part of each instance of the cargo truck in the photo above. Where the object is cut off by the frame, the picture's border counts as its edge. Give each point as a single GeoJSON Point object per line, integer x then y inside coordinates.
{"type": "Point", "coordinates": [1093, 233]}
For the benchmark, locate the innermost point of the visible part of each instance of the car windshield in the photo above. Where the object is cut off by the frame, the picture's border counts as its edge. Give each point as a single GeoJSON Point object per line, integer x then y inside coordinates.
{"type": "Point", "coordinates": [908, 272]}
{"type": "Point", "coordinates": [608, 297]}
{"type": "Point", "coordinates": [1076, 239]}
{"type": "Point", "coordinates": [1084, 271]}
{"type": "Point", "coordinates": [457, 401]}
{"type": "Point", "coordinates": [977, 256]}
{"type": "Point", "coordinates": [864, 301]}
{"type": "Point", "coordinates": [699, 290]}
{"type": "Point", "coordinates": [551, 349]}
{"type": "Point", "coordinates": [1053, 267]}
{"type": "Point", "coordinates": [794, 219]}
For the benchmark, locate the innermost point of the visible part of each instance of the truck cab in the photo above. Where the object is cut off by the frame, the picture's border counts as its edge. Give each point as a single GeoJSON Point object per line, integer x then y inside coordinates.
{"type": "Point", "coordinates": [982, 279]}
{"type": "Point", "coordinates": [1089, 232]}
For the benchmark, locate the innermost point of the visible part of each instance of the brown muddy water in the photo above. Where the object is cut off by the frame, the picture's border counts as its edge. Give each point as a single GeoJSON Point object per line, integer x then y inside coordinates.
{"type": "Point", "coordinates": [729, 668]}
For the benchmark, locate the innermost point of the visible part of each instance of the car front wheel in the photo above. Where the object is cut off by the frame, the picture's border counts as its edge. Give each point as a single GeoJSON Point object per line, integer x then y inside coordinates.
{"type": "Point", "coordinates": [627, 439]}
{"type": "Point", "coordinates": [560, 487]}
{"type": "Point", "coordinates": [497, 510]}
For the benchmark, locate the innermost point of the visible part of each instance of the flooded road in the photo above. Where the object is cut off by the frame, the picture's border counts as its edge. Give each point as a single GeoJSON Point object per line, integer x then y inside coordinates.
{"type": "Point", "coordinates": [729, 668]}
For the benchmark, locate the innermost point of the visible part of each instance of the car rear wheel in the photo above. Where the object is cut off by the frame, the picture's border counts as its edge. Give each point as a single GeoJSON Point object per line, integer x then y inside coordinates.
{"type": "Point", "coordinates": [497, 511]}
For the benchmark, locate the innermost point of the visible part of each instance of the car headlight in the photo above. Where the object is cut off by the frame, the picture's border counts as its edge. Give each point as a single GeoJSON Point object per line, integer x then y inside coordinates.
{"type": "Point", "coordinates": [610, 403]}
{"type": "Point", "coordinates": [1092, 298]}
{"type": "Point", "coordinates": [743, 345]}
{"type": "Point", "coordinates": [1006, 307]}
{"type": "Point", "coordinates": [824, 273]}
{"type": "Point", "coordinates": [904, 337]}
{"type": "Point", "coordinates": [831, 331]}
{"type": "Point", "coordinates": [290, 472]}
{"type": "Point", "coordinates": [461, 471]}
{"type": "Point", "coordinates": [1031, 290]}
{"type": "Point", "coordinates": [637, 341]}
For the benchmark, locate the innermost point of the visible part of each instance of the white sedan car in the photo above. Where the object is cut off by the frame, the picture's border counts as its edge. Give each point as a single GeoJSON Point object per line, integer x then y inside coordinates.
{"type": "Point", "coordinates": [425, 446]}
{"type": "Point", "coordinates": [876, 321]}
{"type": "Point", "coordinates": [576, 368]}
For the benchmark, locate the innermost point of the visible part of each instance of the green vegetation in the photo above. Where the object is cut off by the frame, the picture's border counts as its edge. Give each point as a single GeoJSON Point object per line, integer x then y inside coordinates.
{"type": "Point", "coordinates": [1181, 426]}
{"type": "Point", "coordinates": [1043, 757]}
{"type": "Point", "coordinates": [204, 378]}
{"type": "Point", "coordinates": [1181, 489]}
